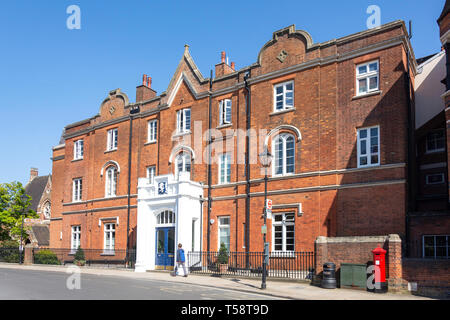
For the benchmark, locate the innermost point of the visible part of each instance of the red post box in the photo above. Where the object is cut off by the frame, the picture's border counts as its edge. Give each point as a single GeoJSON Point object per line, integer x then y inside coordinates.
{"type": "Point", "coordinates": [379, 261]}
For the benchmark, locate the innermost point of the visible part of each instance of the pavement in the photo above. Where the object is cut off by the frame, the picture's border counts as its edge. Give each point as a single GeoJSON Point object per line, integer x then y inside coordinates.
{"type": "Point", "coordinates": [275, 289]}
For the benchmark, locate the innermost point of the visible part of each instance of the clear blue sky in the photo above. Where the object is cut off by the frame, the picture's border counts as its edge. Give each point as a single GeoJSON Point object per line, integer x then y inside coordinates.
{"type": "Point", "coordinates": [51, 76]}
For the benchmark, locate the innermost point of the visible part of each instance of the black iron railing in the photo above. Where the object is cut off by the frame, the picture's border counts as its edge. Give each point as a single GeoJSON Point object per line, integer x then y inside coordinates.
{"type": "Point", "coordinates": [93, 257]}
{"type": "Point", "coordinates": [291, 265]}
{"type": "Point", "coordinates": [10, 255]}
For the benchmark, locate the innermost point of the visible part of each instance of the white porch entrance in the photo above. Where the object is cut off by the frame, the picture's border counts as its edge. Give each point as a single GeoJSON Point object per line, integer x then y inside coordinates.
{"type": "Point", "coordinates": [169, 212]}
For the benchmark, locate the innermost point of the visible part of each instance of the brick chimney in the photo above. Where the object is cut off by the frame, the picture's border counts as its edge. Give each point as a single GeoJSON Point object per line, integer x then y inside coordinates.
{"type": "Point", "coordinates": [145, 92]}
{"type": "Point", "coordinates": [223, 68]}
{"type": "Point", "coordinates": [34, 172]}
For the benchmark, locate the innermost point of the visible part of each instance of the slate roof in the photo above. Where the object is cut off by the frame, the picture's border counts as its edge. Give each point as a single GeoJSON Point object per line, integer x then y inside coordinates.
{"type": "Point", "coordinates": [35, 189]}
{"type": "Point", "coordinates": [42, 235]}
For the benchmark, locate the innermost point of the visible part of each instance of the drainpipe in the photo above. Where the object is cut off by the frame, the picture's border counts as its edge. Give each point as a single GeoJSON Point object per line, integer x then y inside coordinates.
{"type": "Point", "coordinates": [411, 192]}
{"type": "Point", "coordinates": [208, 245]}
{"type": "Point", "coordinates": [247, 167]}
{"type": "Point", "coordinates": [133, 110]}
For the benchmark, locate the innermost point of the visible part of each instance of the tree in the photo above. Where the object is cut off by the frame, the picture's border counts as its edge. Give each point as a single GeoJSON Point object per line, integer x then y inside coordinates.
{"type": "Point", "coordinates": [223, 254]}
{"type": "Point", "coordinates": [13, 203]}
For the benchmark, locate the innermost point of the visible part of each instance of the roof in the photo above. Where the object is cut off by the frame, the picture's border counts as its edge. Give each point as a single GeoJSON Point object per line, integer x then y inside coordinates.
{"type": "Point", "coordinates": [35, 189]}
{"type": "Point", "coordinates": [42, 235]}
{"type": "Point", "coordinates": [424, 59]}
{"type": "Point", "coordinates": [444, 11]}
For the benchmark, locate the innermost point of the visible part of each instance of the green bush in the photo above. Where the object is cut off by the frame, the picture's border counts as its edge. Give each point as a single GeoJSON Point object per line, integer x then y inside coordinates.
{"type": "Point", "coordinates": [222, 258]}
{"type": "Point", "coordinates": [79, 257]}
{"type": "Point", "coordinates": [9, 244]}
{"type": "Point", "coordinates": [46, 257]}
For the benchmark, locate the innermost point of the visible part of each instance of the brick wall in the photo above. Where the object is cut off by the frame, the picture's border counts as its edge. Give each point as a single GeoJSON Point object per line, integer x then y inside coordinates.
{"type": "Point", "coordinates": [432, 276]}
{"type": "Point", "coordinates": [358, 250]}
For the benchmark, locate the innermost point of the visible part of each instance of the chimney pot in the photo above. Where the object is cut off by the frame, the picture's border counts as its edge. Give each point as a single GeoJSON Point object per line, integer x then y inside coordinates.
{"type": "Point", "coordinates": [223, 56]}
{"type": "Point", "coordinates": [144, 80]}
{"type": "Point", "coordinates": [34, 172]}
{"type": "Point", "coordinates": [232, 66]}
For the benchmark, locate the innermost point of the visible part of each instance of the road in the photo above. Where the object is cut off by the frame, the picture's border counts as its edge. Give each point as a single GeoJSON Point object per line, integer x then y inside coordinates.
{"type": "Point", "coordinates": [45, 285]}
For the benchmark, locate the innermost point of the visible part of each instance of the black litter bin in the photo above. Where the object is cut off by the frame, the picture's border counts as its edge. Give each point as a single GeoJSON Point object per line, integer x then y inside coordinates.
{"type": "Point", "coordinates": [329, 276]}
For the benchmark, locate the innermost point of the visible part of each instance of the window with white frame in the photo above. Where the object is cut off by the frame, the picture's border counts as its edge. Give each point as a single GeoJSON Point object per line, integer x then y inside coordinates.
{"type": "Point", "coordinates": [283, 232]}
{"type": "Point", "coordinates": [225, 111]}
{"type": "Point", "coordinates": [436, 141]}
{"type": "Point", "coordinates": [151, 172]}
{"type": "Point", "coordinates": [368, 147]}
{"type": "Point", "coordinates": [152, 130]}
{"type": "Point", "coordinates": [367, 77]}
{"type": "Point", "coordinates": [224, 232]}
{"type": "Point", "coordinates": [182, 163]}
{"type": "Point", "coordinates": [184, 120]}
{"type": "Point", "coordinates": [77, 189]}
{"type": "Point", "coordinates": [112, 139]}
{"type": "Point", "coordinates": [283, 149]}
{"type": "Point", "coordinates": [110, 237]}
{"type": "Point", "coordinates": [111, 182]}
{"type": "Point", "coordinates": [284, 96]}
{"type": "Point", "coordinates": [78, 150]}
{"type": "Point", "coordinates": [435, 178]}
{"type": "Point", "coordinates": [436, 247]}
{"type": "Point", "coordinates": [75, 238]}
{"type": "Point", "coordinates": [224, 168]}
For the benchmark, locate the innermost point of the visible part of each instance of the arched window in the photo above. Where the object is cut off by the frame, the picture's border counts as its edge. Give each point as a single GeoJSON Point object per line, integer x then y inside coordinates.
{"type": "Point", "coordinates": [111, 181]}
{"type": "Point", "coordinates": [182, 163]}
{"type": "Point", "coordinates": [283, 148]}
{"type": "Point", "coordinates": [166, 217]}
{"type": "Point", "coordinates": [47, 210]}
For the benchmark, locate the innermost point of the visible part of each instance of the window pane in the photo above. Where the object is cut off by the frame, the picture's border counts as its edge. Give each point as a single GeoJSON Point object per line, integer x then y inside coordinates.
{"type": "Point", "coordinates": [363, 133]}
{"type": "Point", "coordinates": [279, 89]}
{"type": "Point", "coordinates": [362, 85]}
{"type": "Point", "coordinates": [289, 87]}
{"type": "Point", "coordinates": [278, 218]}
{"type": "Point", "coordinates": [362, 69]}
{"type": "Point", "coordinates": [363, 148]}
{"type": "Point", "coordinates": [363, 161]}
{"type": "Point", "coordinates": [374, 159]}
{"type": "Point", "coordinates": [373, 66]}
{"type": "Point", "coordinates": [373, 83]}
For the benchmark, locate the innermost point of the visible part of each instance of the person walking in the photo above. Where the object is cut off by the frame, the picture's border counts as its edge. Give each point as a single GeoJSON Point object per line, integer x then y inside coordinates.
{"type": "Point", "coordinates": [181, 260]}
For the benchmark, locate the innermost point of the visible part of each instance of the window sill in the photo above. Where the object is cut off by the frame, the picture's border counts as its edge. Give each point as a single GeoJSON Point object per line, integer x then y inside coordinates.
{"type": "Point", "coordinates": [369, 166]}
{"type": "Point", "coordinates": [282, 111]}
{"type": "Point", "coordinates": [225, 125]}
{"type": "Point", "coordinates": [76, 160]}
{"type": "Point", "coordinates": [108, 253]}
{"type": "Point", "coordinates": [369, 94]}
{"type": "Point", "coordinates": [112, 150]}
{"type": "Point", "coordinates": [435, 151]}
{"type": "Point", "coordinates": [180, 134]}
{"type": "Point", "coordinates": [149, 143]}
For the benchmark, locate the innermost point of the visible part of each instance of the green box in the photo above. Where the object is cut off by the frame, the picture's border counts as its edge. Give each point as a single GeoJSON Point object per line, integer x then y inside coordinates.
{"type": "Point", "coordinates": [353, 276]}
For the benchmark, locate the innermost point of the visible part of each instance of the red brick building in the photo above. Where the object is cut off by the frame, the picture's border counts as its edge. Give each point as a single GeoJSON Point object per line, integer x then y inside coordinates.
{"type": "Point", "coordinates": [429, 220]}
{"type": "Point", "coordinates": [334, 115]}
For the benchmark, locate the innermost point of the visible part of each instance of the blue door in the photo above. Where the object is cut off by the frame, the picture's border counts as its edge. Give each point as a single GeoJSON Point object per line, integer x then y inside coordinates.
{"type": "Point", "coordinates": [165, 248]}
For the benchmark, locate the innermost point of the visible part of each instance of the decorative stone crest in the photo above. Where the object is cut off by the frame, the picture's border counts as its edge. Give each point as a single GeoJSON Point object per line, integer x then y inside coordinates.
{"type": "Point", "coordinates": [112, 110]}
{"type": "Point", "coordinates": [282, 56]}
